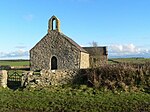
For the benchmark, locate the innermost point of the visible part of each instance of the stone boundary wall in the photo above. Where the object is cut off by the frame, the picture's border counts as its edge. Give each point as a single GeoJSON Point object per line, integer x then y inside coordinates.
{"type": "Point", "coordinates": [3, 78]}
{"type": "Point", "coordinates": [45, 78]}
{"type": "Point", "coordinates": [49, 77]}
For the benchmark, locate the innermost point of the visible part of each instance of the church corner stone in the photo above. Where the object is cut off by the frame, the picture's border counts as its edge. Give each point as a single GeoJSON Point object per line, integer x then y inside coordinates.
{"type": "Point", "coordinates": [3, 78]}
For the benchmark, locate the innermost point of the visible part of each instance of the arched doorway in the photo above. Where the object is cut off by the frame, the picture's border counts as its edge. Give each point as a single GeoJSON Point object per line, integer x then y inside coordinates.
{"type": "Point", "coordinates": [53, 63]}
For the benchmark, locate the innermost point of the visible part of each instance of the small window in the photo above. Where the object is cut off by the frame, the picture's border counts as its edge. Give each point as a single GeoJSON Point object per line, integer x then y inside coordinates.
{"type": "Point", "coordinates": [54, 24]}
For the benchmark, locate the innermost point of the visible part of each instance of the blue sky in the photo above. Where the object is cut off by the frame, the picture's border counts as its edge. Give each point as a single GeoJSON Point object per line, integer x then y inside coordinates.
{"type": "Point", "coordinates": [122, 25]}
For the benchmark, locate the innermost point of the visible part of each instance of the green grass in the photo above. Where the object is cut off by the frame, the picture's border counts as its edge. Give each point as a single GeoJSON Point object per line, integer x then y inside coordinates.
{"type": "Point", "coordinates": [110, 61]}
{"type": "Point", "coordinates": [128, 60]}
{"type": "Point", "coordinates": [68, 99]}
{"type": "Point", "coordinates": [73, 98]}
{"type": "Point", "coordinates": [14, 62]}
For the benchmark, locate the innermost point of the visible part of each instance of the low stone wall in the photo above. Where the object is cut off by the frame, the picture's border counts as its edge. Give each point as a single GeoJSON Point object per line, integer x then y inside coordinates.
{"type": "Point", "coordinates": [49, 77]}
{"type": "Point", "coordinates": [3, 78]}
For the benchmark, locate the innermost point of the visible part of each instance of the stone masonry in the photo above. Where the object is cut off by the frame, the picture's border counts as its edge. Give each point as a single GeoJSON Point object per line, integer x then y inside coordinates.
{"type": "Point", "coordinates": [56, 51]}
{"type": "Point", "coordinates": [49, 77]}
{"type": "Point", "coordinates": [53, 44]}
{"type": "Point", "coordinates": [3, 78]}
{"type": "Point", "coordinates": [98, 56]}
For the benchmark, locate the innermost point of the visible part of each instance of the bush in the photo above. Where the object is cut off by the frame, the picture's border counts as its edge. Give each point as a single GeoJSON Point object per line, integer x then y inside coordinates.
{"type": "Point", "coordinates": [127, 77]}
{"type": "Point", "coordinates": [5, 67]}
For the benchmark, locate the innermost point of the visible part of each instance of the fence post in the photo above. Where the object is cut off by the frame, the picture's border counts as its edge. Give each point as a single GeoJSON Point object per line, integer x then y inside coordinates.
{"type": "Point", "coordinates": [3, 78]}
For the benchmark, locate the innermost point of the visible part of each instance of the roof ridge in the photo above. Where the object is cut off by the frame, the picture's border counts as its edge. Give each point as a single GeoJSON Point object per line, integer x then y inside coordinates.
{"type": "Point", "coordinates": [73, 42]}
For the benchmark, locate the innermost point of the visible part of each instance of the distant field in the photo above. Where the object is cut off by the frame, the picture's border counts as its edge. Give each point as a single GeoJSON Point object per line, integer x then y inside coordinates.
{"type": "Point", "coordinates": [128, 60]}
{"type": "Point", "coordinates": [14, 62]}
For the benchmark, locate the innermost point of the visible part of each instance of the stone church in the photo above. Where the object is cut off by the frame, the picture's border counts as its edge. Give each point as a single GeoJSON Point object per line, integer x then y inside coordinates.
{"type": "Point", "coordinates": [57, 51]}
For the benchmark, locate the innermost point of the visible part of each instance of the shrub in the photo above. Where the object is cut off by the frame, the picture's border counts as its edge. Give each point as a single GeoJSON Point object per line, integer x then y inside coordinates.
{"type": "Point", "coordinates": [127, 77]}
{"type": "Point", "coordinates": [5, 67]}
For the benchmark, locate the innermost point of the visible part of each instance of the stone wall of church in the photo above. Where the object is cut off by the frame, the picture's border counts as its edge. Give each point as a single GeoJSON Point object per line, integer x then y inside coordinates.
{"type": "Point", "coordinates": [97, 56]}
{"type": "Point", "coordinates": [54, 44]}
{"type": "Point", "coordinates": [84, 62]}
{"type": "Point", "coordinates": [97, 61]}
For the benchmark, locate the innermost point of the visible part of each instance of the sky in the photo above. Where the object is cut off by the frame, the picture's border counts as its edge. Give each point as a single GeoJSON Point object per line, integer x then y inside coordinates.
{"type": "Point", "coordinates": [122, 25]}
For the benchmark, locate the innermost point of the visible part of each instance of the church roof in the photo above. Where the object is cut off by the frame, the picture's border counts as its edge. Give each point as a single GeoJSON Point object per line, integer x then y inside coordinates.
{"type": "Point", "coordinates": [56, 28]}
{"type": "Point", "coordinates": [73, 43]}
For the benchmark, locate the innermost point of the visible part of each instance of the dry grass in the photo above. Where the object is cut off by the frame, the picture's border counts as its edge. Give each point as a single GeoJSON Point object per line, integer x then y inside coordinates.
{"type": "Point", "coordinates": [127, 77]}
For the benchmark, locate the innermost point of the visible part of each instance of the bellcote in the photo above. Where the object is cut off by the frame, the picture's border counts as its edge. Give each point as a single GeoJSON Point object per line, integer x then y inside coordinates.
{"type": "Point", "coordinates": [54, 24]}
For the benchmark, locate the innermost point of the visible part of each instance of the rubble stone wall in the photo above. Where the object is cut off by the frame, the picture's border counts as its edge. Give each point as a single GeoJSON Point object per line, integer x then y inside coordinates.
{"type": "Point", "coordinates": [54, 44]}
{"type": "Point", "coordinates": [97, 61]}
{"type": "Point", "coordinates": [98, 56]}
{"type": "Point", "coordinates": [49, 77]}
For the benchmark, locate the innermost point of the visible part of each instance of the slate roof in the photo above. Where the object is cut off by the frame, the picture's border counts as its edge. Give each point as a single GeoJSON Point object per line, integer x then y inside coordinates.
{"type": "Point", "coordinates": [73, 43]}
{"type": "Point", "coordinates": [99, 50]}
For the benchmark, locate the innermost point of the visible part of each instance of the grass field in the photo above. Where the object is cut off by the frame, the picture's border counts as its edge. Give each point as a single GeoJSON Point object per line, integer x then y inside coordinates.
{"type": "Point", "coordinates": [14, 62]}
{"type": "Point", "coordinates": [128, 60]}
{"type": "Point", "coordinates": [68, 99]}
{"type": "Point", "coordinates": [80, 98]}
{"type": "Point", "coordinates": [110, 61]}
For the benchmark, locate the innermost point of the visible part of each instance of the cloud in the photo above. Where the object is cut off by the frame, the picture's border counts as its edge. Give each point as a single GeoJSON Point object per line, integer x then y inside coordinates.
{"type": "Point", "coordinates": [14, 54]}
{"type": "Point", "coordinates": [127, 50]}
{"type": "Point", "coordinates": [28, 17]}
{"type": "Point", "coordinates": [21, 47]}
